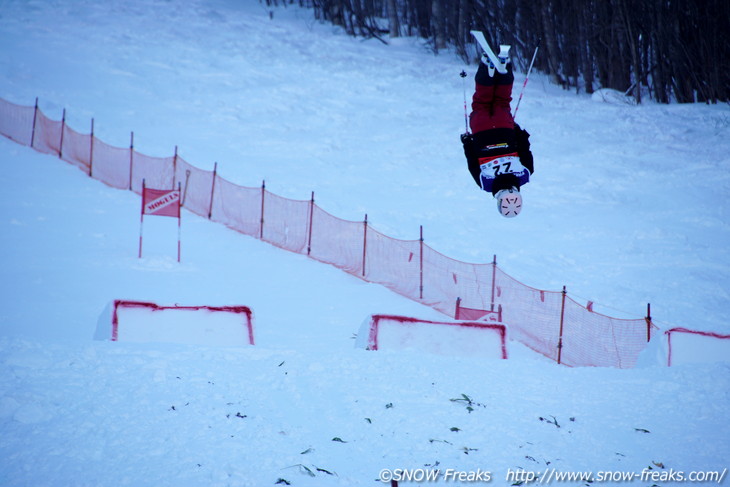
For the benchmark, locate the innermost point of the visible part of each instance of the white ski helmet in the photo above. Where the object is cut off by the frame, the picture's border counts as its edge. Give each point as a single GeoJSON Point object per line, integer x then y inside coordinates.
{"type": "Point", "coordinates": [509, 202]}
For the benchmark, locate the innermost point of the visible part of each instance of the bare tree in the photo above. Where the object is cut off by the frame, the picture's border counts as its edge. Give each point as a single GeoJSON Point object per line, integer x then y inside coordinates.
{"type": "Point", "coordinates": [393, 23]}
{"type": "Point", "coordinates": [437, 21]}
{"type": "Point", "coordinates": [677, 49]}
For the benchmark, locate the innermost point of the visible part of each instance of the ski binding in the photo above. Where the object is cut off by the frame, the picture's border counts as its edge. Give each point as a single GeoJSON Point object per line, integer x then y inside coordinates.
{"type": "Point", "coordinates": [496, 62]}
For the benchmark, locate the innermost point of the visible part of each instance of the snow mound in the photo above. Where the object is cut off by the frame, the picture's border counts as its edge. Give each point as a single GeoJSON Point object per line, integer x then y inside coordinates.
{"type": "Point", "coordinates": [613, 97]}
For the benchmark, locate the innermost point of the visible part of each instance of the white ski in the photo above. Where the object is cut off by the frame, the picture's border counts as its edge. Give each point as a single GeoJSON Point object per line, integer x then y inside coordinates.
{"type": "Point", "coordinates": [479, 36]}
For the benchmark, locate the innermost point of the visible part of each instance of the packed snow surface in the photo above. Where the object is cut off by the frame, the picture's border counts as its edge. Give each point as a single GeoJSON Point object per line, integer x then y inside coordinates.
{"type": "Point", "coordinates": [628, 205]}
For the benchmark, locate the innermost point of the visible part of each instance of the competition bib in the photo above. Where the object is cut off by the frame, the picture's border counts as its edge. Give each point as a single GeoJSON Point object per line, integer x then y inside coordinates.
{"type": "Point", "coordinates": [491, 167]}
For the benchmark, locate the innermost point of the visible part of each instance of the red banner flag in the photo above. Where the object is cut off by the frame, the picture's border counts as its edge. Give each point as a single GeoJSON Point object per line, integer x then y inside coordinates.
{"type": "Point", "coordinates": [161, 202]}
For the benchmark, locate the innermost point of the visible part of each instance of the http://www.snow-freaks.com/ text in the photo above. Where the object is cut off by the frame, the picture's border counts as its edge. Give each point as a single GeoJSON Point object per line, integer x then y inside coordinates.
{"type": "Point", "coordinates": [550, 475]}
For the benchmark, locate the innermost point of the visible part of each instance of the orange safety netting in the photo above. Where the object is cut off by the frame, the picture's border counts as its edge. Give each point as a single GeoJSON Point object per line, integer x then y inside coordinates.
{"type": "Point", "coordinates": [548, 322]}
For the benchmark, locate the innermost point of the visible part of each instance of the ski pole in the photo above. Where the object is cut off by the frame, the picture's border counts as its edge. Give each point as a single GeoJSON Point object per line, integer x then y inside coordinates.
{"type": "Point", "coordinates": [527, 76]}
{"type": "Point", "coordinates": [463, 83]}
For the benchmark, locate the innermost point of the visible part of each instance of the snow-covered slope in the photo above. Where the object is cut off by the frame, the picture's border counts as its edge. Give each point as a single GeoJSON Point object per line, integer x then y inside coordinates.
{"type": "Point", "coordinates": [628, 205]}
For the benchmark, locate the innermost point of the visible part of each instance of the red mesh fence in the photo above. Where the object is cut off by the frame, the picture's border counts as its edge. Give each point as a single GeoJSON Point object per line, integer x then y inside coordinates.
{"type": "Point", "coordinates": [235, 206]}
{"type": "Point", "coordinates": [548, 322]}
{"type": "Point", "coordinates": [76, 148]}
{"type": "Point", "coordinates": [394, 263]}
{"type": "Point", "coordinates": [47, 134]}
{"type": "Point", "coordinates": [111, 165]}
{"type": "Point", "coordinates": [286, 222]}
{"type": "Point", "coordinates": [535, 322]}
{"type": "Point", "coordinates": [600, 340]}
{"type": "Point", "coordinates": [16, 122]}
{"type": "Point", "coordinates": [197, 186]}
{"type": "Point", "coordinates": [337, 242]}
{"type": "Point", "coordinates": [156, 172]}
{"type": "Point", "coordinates": [446, 280]}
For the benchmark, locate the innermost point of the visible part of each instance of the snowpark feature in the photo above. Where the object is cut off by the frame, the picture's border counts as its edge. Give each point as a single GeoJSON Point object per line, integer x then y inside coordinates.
{"type": "Point", "coordinates": [136, 321]}
{"type": "Point", "coordinates": [691, 346]}
{"type": "Point", "coordinates": [374, 129]}
{"type": "Point", "coordinates": [388, 332]}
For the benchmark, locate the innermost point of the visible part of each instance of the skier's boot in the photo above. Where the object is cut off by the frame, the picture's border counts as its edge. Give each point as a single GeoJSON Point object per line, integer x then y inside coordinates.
{"type": "Point", "coordinates": [489, 64]}
{"type": "Point", "coordinates": [504, 54]}
{"type": "Point", "coordinates": [503, 57]}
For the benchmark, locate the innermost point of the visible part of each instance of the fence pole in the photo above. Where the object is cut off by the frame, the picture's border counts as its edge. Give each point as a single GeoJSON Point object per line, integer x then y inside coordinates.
{"type": "Point", "coordinates": [669, 347]}
{"type": "Point", "coordinates": [420, 295]}
{"type": "Point", "coordinates": [141, 221]}
{"type": "Point", "coordinates": [309, 229]}
{"type": "Point", "coordinates": [131, 160]}
{"type": "Point", "coordinates": [35, 117]}
{"type": "Point", "coordinates": [91, 151]}
{"type": "Point", "coordinates": [562, 318]}
{"type": "Point", "coordinates": [174, 169]}
{"type": "Point", "coordinates": [212, 190]}
{"type": "Point", "coordinates": [364, 243]}
{"type": "Point", "coordinates": [179, 220]}
{"type": "Point", "coordinates": [648, 322]}
{"type": "Point", "coordinates": [63, 129]}
{"type": "Point", "coordinates": [494, 280]}
{"type": "Point", "coordinates": [185, 193]}
{"type": "Point", "coordinates": [456, 311]}
{"type": "Point", "coordinates": [263, 195]}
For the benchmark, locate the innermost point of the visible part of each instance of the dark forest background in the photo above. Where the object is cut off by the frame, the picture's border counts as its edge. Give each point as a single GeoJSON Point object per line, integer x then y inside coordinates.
{"type": "Point", "coordinates": [668, 50]}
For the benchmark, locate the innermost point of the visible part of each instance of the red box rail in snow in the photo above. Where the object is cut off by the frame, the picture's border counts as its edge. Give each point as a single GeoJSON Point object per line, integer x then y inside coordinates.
{"type": "Point", "coordinates": [138, 321]}
{"type": "Point", "coordinates": [390, 332]}
{"type": "Point", "coordinates": [692, 346]}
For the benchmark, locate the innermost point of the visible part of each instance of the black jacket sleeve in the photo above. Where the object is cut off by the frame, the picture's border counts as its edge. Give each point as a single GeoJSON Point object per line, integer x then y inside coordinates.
{"type": "Point", "coordinates": [469, 151]}
{"type": "Point", "coordinates": [522, 143]}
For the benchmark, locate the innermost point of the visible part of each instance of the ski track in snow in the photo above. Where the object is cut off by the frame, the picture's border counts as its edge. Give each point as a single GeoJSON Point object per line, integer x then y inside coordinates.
{"type": "Point", "coordinates": [628, 205]}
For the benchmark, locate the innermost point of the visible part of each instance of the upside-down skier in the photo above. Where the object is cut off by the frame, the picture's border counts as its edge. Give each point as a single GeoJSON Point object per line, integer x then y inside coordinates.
{"type": "Point", "coordinates": [498, 150]}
